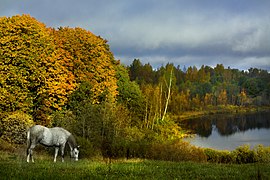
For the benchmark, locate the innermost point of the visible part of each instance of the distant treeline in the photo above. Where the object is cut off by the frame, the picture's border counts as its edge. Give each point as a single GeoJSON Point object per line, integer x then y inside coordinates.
{"type": "Point", "coordinates": [196, 89]}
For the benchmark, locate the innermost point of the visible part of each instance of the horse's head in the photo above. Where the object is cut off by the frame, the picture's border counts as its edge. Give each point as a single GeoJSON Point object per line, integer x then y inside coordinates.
{"type": "Point", "coordinates": [74, 153]}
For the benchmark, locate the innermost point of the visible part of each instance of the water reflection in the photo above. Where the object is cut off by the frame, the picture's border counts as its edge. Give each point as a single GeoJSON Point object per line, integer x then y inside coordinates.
{"type": "Point", "coordinates": [227, 125]}
{"type": "Point", "coordinates": [230, 131]}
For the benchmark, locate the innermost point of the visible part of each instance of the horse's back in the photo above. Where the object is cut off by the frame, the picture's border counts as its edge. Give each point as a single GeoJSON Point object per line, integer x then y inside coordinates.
{"type": "Point", "coordinates": [37, 130]}
{"type": "Point", "coordinates": [60, 135]}
{"type": "Point", "coordinates": [40, 134]}
{"type": "Point", "coordinates": [49, 136]}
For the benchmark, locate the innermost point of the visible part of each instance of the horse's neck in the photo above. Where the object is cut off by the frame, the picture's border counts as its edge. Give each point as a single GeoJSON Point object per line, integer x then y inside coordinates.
{"type": "Point", "coordinates": [71, 142]}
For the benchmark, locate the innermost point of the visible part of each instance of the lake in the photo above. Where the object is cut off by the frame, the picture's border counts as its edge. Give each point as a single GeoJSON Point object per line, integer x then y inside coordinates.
{"type": "Point", "coordinates": [227, 131]}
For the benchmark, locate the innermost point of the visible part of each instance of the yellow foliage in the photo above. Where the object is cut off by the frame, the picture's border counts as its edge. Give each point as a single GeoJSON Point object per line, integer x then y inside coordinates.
{"type": "Point", "coordinates": [91, 60]}
{"type": "Point", "coordinates": [32, 68]}
{"type": "Point", "coordinates": [14, 127]}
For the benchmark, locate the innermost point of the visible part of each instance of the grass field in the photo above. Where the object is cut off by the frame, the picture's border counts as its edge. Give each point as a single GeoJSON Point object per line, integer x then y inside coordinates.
{"type": "Point", "coordinates": [15, 167]}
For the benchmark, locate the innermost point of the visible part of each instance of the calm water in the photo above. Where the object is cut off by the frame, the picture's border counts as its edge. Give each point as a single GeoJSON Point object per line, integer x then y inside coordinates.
{"type": "Point", "coordinates": [230, 131]}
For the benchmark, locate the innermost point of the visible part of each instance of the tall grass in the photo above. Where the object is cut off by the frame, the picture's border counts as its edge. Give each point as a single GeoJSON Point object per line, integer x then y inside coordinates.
{"type": "Point", "coordinates": [14, 167]}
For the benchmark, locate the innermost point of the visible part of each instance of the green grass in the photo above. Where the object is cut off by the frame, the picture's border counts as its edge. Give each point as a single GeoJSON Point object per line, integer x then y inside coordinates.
{"type": "Point", "coordinates": [15, 167]}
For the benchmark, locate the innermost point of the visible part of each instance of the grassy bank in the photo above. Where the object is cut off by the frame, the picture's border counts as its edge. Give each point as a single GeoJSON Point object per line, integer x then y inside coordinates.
{"type": "Point", "coordinates": [15, 167]}
{"type": "Point", "coordinates": [219, 110]}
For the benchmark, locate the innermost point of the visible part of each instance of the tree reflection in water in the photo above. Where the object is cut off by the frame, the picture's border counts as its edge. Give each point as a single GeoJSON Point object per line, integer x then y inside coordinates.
{"type": "Point", "coordinates": [227, 124]}
{"type": "Point", "coordinates": [230, 131]}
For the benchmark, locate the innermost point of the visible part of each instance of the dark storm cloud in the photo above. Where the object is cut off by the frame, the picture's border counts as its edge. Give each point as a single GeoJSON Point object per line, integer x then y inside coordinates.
{"type": "Point", "coordinates": [232, 32]}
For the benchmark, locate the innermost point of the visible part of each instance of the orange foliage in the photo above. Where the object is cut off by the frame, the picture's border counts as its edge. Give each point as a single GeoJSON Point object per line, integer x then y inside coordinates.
{"type": "Point", "coordinates": [91, 60]}
{"type": "Point", "coordinates": [40, 67]}
{"type": "Point", "coordinates": [32, 72]}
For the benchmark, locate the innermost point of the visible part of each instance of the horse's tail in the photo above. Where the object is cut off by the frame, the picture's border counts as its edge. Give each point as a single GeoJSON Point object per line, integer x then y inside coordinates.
{"type": "Point", "coordinates": [28, 138]}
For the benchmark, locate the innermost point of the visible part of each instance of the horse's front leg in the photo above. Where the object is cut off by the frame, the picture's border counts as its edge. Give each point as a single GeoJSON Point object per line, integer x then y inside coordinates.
{"type": "Point", "coordinates": [62, 152]}
{"type": "Point", "coordinates": [55, 153]}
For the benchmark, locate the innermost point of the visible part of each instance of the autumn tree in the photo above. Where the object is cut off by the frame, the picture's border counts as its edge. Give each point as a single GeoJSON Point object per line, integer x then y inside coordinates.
{"type": "Point", "coordinates": [32, 76]}
{"type": "Point", "coordinates": [192, 74]}
{"type": "Point", "coordinates": [90, 60]}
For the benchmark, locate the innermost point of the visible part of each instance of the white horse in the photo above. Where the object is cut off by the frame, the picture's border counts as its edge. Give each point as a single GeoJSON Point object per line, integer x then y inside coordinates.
{"type": "Point", "coordinates": [56, 137]}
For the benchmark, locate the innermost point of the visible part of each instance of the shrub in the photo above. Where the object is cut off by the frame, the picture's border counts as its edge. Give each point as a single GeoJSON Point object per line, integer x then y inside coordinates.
{"type": "Point", "coordinates": [240, 155]}
{"type": "Point", "coordinates": [216, 156]}
{"type": "Point", "coordinates": [262, 154]}
{"type": "Point", "coordinates": [176, 151]}
{"type": "Point", "coordinates": [13, 127]}
{"type": "Point", "coordinates": [129, 149]}
{"type": "Point", "coordinates": [86, 148]}
{"type": "Point", "coordinates": [64, 119]}
{"type": "Point", "coordinates": [5, 146]}
{"type": "Point", "coordinates": [244, 154]}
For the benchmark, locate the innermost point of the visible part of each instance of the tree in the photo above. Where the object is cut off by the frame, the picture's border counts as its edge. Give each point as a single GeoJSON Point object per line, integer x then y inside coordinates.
{"type": "Point", "coordinates": [222, 98]}
{"type": "Point", "coordinates": [141, 73]}
{"type": "Point", "coordinates": [130, 94]}
{"type": "Point", "coordinates": [90, 60]}
{"type": "Point", "coordinates": [208, 99]}
{"type": "Point", "coordinates": [242, 98]}
{"type": "Point", "coordinates": [169, 86]}
{"type": "Point", "coordinates": [203, 75]}
{"type": "Point", "coordinates": [153, 104]}
{"type": "Point", "coordinates": [192, 74]}
{"type": "Point", "coordinates": [32, 77]}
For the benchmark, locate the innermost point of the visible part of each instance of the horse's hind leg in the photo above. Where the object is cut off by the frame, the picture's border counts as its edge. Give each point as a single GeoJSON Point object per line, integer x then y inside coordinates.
{"type": "Point", "coordinates": [30, 152]}
{"type": "Point", "coordinates": [28, 155]}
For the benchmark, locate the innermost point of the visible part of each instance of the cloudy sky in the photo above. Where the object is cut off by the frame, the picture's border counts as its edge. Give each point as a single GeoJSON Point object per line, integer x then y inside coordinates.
{"type": "Point", "coordinates": [235, 33]}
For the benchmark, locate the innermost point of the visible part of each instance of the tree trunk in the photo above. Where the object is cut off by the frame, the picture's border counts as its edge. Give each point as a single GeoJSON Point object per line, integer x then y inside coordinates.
{"type": "Point", "coordinates": [168, 96]}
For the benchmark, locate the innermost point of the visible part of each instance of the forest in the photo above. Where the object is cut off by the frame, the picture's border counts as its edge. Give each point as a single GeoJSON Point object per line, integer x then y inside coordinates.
{"type": "Point", "coordinates": [69, 77]}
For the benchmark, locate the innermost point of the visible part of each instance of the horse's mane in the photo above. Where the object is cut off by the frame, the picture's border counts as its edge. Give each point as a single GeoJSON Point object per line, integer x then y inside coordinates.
{"type": "Point", "coordinates": [72, 141]}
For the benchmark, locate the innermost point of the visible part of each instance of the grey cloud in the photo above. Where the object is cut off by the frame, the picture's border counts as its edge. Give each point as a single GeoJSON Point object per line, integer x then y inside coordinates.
{"type": "Point", "coordinates": [185, 32]}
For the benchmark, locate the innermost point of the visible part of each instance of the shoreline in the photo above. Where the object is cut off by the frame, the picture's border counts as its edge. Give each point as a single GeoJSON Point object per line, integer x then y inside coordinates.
{"type": "Point", "coordinates": [219, 110]}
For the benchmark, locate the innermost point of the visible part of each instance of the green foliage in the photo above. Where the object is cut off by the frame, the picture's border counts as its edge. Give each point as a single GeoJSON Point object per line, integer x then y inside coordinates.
{"type": "Point", "coordinates": [130, 95]}
{"type": "Point", "coordinates": [5, 146]}
{"type": "Point", "coordinates": [262, 154]}
{"type": "Point", "coordinates": [167, 131]}
{"type": "Point", "coordinates": [241, 155]}
{"type": "Point", "coordinates": [64, 118]}
{"type": "Point", "coordinates": [13, 128]}
{"type": "Point", "coordinates": [198, 89]}
{"type": "Point", "coordinates": [217, 156]}
{"type": "Point", "coordinates": [130, 143]}
{"type": "Point", "coordinates": [87, 149]}
{"type": "Point", "coordinates": [176, 151]}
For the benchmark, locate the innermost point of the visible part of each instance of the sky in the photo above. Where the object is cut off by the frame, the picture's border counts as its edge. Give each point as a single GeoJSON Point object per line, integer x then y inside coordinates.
{"type": "Point", "coordinates": [235, 33]}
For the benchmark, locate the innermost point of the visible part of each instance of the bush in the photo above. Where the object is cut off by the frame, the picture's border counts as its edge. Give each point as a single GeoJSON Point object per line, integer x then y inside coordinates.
{"type": "Point", "coordinates": [262, 154]}
{"type": "Point", "coordinates": [216, 156]}
{"type": "Point", "coordinates": [5, 146]}
{"type": "Point", "coordinates": [86, 148]}
{"type": "Point", "coordinates": [177, 151]}
{"type": "Point", "coordinates": [129, 149]}
{"type": "Point", "coordinates": [244, 154]}
{"type": "Point", "coordinates": [13, 128]}
{"type": "Point", "coordinates": [240, 155]}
